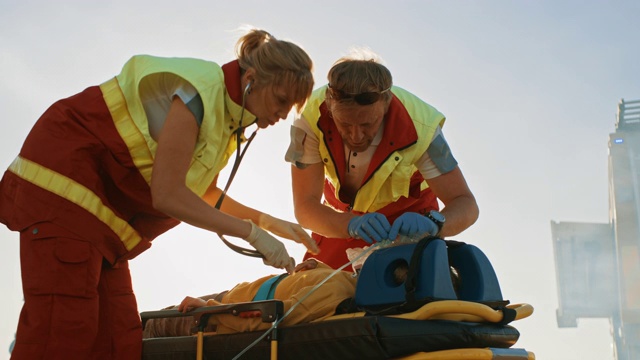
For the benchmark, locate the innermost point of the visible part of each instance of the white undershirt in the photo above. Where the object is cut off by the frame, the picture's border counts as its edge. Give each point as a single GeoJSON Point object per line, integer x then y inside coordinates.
{"type": "Point", "coordinates": [157, 92]}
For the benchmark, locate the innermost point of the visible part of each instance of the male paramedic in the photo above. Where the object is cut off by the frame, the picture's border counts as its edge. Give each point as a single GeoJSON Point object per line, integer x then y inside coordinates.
{"type": "Point", "coordinates": [378, 156]}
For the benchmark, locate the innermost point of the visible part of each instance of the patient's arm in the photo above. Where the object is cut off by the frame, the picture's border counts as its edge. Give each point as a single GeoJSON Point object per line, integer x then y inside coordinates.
{"type": "Point", "coordinates": [306, 265]}
{"type": "Point", "coordinates": [176, 326]}
{"type": "Point", "coordinates": [182, 326]}
{"type": "Point", "coordinates": [189, 303]}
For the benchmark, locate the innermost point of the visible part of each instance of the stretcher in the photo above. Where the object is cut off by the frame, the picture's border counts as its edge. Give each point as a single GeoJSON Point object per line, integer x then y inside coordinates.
{"type": "Point", "coordinates": [472, 323]}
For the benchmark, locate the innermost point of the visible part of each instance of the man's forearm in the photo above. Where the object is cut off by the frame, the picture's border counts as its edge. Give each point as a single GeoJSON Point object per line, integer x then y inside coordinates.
{"type": "Point", "coordinates": [460, 214]}
{"type": "Point", "coordinates": [323, 220]}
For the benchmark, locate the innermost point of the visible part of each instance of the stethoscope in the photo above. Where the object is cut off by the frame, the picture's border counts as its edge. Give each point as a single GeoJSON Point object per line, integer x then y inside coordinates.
{"type": "Point", "coordinates": [234, 169]}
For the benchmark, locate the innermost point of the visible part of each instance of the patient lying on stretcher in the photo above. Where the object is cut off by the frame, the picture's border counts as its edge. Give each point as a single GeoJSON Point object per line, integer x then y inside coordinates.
{"type": "Point", "coordinates": [332, 298]}
{"type": "Point", "coordinates": [317, 306]}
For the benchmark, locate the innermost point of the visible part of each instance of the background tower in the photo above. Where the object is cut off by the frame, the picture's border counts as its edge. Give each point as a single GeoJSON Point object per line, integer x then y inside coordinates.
{"type": "Point", "coordinates": [598, 265]}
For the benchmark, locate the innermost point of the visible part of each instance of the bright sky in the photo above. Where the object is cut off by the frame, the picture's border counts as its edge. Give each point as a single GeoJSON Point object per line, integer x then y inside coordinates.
{"type": "Point", "coordinates": [529, 89]}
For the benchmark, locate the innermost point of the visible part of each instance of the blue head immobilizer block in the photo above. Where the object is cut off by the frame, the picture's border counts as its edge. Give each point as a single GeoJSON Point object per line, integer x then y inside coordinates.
{"type": "Point", "coordinates": [377, 286]}
{"type": "Point", "coordinates": [478, 280]}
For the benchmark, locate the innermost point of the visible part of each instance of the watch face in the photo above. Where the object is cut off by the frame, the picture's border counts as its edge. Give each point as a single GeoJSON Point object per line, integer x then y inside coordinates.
{"type": "Point", "coordinates": [436, 216]}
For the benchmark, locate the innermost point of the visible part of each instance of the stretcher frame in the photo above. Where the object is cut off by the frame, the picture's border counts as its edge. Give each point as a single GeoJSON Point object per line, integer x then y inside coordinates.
{"type": "Point", "coordinates": [444, 330]}
{"type": "Point", "coordinates": [269, 311]}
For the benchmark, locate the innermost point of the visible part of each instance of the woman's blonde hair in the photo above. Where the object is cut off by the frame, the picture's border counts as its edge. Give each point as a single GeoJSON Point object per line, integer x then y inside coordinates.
{"type": "Point", "coordinates": [277, 62]}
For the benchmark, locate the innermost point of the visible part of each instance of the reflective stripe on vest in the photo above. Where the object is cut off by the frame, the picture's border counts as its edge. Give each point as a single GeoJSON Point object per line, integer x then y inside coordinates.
{"type": "Point", "coordinates": [215, 143]}
{"type": "Point", "coordinates": [129, 132]}
{"type": "Point", "coordinates": [78, 194]}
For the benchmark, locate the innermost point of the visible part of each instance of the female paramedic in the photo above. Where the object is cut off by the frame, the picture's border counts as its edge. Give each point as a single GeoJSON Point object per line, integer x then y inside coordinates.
{"type": "Point", "coordinates": [103, 172]}
{"type": "Point", "coordinates": [371, 162]}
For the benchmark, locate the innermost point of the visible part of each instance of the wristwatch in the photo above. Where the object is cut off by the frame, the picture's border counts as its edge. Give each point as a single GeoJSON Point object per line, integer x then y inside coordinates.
{"type": "Point", "coordinates": [437, 218]}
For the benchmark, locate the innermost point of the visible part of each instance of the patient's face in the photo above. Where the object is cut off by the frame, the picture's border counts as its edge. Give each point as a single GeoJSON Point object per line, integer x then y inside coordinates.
{"type": "Point", "coordinates": [400, 273]}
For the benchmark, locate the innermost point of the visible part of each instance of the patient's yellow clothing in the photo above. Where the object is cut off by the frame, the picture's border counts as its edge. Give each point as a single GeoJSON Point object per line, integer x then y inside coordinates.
{"type": "Point", "coordinates": [317, 306]}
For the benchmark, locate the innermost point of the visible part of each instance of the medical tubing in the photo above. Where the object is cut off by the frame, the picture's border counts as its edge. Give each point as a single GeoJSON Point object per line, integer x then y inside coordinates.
{"type": "Point", "coordinates": [239, 156]}
{"type": "Point", "coordinates": [236, 165]}
{"type": "Point", "coordinates": [327, 279]}
{"type": "Point", "coordinates": [275, 323]}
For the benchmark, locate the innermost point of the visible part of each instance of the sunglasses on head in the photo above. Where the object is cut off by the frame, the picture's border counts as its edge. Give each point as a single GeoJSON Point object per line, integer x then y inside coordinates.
{"type": "Point", "coordinates": [365, 98]}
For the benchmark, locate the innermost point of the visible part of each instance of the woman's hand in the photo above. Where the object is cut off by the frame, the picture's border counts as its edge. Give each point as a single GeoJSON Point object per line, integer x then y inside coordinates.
{"type": "Point", "coordinates": [288, 230]}
{"type": "Point", "coordinates": [274, 252]}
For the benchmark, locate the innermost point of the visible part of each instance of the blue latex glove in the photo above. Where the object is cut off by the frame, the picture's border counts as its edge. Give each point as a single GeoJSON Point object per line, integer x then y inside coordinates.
{"type": "Point", "coordinates": [369, 227]}
{"type": "Point", "coordinates": [413, 225]}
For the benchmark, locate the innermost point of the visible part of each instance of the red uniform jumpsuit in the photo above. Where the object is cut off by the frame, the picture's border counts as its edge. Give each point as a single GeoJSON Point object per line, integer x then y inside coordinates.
{"type": "Point", "coordinates": [82, 204]}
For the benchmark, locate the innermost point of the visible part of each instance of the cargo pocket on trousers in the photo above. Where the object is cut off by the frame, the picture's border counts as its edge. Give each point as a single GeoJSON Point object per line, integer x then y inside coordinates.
{"type": "Point", "coordinates": [55, 264]}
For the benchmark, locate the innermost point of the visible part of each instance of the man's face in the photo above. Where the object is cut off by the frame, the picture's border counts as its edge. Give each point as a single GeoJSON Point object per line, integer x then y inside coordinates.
{"type": "Point", "coordinates": [358, 124]}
